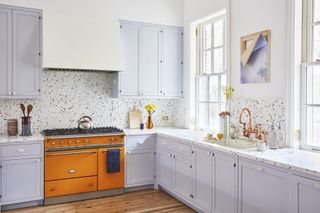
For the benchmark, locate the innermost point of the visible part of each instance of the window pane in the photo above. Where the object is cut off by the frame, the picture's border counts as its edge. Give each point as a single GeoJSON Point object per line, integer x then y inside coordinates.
{"type": "Point", "coordinates": [316, 10]}
{"type": "Point", "coordinates": [214, 88]}
{"type": "Point", "coordinates": [218, 33]}
{"type": "Point", "coordinates": [207, 62]}
{"type": "Point", "coordinates": [223, 86]}
{"type": "Point", "coordinates": [313, 126]}
{"type": "Point", "coordinates": [206, 31]}
{"type": "Point", "coordinates": [203, 88]}
{"type": "Point", "coordinates": [203, 116]}
{"type": "Point", "coordinates": [214, 118]}
{"type": "Point", "coordinates": [316, 42]}
{"type": "Point", "coordinates": [313, 85]}
{"type": "Point", "coordinates": [218, 60]}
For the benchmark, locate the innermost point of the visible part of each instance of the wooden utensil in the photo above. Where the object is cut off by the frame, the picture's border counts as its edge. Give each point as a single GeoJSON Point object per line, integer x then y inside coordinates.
{"type": "Point", "coordinates": [135, 119]}
{"type": "Point", "coordinates": [29, 109]}
{"type": "Point", "coordinates": [23, 109]}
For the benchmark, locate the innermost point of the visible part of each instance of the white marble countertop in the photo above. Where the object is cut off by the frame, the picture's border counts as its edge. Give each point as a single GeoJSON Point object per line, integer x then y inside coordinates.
{"type": "Point", "coordinates": [294, 159]}
{"type": "Point", "coordinates": [17, 139]}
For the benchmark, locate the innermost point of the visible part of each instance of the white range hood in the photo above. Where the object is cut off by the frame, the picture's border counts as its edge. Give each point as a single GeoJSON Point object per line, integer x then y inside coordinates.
{"type": "Point", "coordinates": [80, 42]}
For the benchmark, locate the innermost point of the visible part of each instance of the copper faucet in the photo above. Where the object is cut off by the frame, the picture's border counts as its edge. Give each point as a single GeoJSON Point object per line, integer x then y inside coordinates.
{"type": "Point", "coordinates": [247, 131]}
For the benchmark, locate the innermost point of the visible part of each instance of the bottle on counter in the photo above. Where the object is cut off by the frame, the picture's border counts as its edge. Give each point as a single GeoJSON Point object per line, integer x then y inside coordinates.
{"type": "Point", "coordinates": [281, 137]}
{"type": "Point", "coordinates": [273, 144]}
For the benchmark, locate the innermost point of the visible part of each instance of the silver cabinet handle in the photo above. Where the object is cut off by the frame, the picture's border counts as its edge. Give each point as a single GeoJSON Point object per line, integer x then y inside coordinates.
{"type": "Point", "coordinates": [14, 93]}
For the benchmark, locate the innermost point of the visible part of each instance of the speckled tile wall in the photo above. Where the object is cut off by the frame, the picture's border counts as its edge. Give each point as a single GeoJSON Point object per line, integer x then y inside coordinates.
{"type": "Point", "coordinates": [67, 95]}
{"type": "Point", "coordinates": [264, 110]}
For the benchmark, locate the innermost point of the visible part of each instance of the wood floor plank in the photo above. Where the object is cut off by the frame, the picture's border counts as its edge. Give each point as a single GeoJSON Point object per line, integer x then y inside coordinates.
{"type": "Point", "coordinates": [146, 201]}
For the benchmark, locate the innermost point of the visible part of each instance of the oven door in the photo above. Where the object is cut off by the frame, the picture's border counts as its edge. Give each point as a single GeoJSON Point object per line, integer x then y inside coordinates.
{"type": "Point", "coordinates": [70, 164]}
{"type": "Point", "coordinates": [109, 180]}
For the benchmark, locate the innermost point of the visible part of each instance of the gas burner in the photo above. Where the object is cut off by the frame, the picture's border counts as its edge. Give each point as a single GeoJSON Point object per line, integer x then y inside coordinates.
{"type": "Point", "coordinates": [77, 131]}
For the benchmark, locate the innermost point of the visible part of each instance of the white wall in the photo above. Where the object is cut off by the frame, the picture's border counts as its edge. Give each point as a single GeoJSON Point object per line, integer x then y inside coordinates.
{"type": "Point", "coordinates": [168, 12]}
{"type": "Point", "coordinates": [249, 16]}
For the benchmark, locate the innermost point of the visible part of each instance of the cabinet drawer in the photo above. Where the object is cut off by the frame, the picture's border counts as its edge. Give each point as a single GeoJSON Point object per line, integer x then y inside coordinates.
{"type": "Point", "coordinates": [20, 150]}
{"type": "Point", "coordinates": [164, 142]}
{"type": "Point", "coordinates": [70, 186]}
{"type": "Point", "coordinates": [140, 142]}
{"type": "Point", "coordinates": [181, 148]}
{"type": "Point", "coordinates": [70, 164]}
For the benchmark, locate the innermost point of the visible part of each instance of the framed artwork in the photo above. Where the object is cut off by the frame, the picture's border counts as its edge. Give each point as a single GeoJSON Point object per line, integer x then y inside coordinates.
{"type": "Point", "coordinates": [255, 57]}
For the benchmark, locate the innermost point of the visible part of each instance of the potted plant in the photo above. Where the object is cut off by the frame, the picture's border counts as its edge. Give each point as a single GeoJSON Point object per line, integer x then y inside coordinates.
{"type": "Point", "coordinates": [150, 108]}
{"type": "Point", "coordinates": [225, 115]}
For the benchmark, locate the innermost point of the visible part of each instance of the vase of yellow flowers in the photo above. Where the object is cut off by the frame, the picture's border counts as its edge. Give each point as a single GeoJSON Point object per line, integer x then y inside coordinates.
{"type": "Point", "coordinates": [150, 108]}
{"type": "Point", "coordinates": [225, 115]}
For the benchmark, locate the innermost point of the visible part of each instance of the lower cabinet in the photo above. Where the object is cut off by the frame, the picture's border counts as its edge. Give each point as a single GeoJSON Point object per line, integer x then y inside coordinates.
{"type": "Point", "coordinates": [262, 189]}
{"type": "Point", "coordinates": [305, 196]}
{"type": "Point", "coordinates": [21, 180]}
{"type": "Point", "coordinates": [215, 178]}
{"type": "Point", "coordinates": [182, 177]}
{"type": "Point", "coordinates": [140, 167]}
{"type": "Point", "coordinates": [165, 169]}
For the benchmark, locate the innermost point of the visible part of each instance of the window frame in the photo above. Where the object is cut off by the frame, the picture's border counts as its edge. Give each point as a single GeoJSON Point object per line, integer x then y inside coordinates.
{"type": "Point", "coordinates": [309, 25]}
{"type": "Point", "coordinates": [199, 74]}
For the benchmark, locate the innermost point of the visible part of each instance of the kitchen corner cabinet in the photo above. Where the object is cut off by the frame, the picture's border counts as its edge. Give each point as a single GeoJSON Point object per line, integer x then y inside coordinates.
{"type": "Point", "coordinates": [305, 196]}
{"type": "Point", "coordinates": [20, 52]}
{"type": "Point", "coordinates": [262, 188]}
{"type": "Point", "coordinates": [152, 60]}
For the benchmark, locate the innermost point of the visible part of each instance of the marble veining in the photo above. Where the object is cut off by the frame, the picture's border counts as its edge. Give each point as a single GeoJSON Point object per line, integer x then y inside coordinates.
{"type": "Point", "coordinates": [67, 95]}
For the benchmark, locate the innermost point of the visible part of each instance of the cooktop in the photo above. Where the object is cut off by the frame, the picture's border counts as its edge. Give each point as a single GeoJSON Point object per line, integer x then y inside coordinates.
{"type": "Point", "coordinates": [77, 131]}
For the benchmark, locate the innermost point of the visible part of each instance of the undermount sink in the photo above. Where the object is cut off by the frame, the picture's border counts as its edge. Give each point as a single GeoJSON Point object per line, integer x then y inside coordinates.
{"type": "Point", "coordinates": [236, 143]}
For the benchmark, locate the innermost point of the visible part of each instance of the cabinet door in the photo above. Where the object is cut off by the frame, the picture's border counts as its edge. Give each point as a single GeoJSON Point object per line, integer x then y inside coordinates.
{"type": "Point", "coordinates": [26, 53]}
{"type": "Point", "coordinates": [5, 52]}
{"type": "Point", "coordinates": [129, 78]}
{"type": "Point", "coordinates": [202, 172]}
{"type": "Point", "coordinates": [262, 189]}
{"type": "Point", "coordinates": [164, 167]}
{"type": "Point", "coordinates": [149, 75]}
{"type": "Point", "coordinates": [21, 180]}
{"type": "Point", "coordinates": [224, 184]}
{"type": "Point", "coordinates": [172, 61]}
{"type": "Point", "coordinates": [306, 194]}
{"type": "Point", "coordinates": [140, 167]}
{"type": "Point", "coordinates": [182, 177]}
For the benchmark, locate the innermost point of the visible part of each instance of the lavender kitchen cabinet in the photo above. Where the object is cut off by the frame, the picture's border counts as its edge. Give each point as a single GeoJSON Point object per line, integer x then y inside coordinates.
{"type": "Point", "coordinates": [20, 63]}
{"type": "Point", "coordinates": [305, 196]}
{"type": "Point", "coordinates": [5, 51]}
{"type": "Point", "coordinates": [262, 188]}
{"type": "Point", "coordinates": [165, 169]}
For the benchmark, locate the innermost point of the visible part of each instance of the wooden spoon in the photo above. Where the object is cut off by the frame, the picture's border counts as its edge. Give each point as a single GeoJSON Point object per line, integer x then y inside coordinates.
{"type": "Point", "coordinates": [29, 109]}
{"type": "Point", "coordinates": [23, 108]}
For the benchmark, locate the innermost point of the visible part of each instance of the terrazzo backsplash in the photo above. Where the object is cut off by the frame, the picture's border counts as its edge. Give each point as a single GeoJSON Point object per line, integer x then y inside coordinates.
{"type": "Point", "coordinates": [68, 95]}
{"type": "Point", "coordinates": [264, 111]}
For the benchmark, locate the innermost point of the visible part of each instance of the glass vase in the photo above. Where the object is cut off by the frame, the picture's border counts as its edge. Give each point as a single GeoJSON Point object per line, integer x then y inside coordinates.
{"type": "Point", "coordinates": [149, 124]}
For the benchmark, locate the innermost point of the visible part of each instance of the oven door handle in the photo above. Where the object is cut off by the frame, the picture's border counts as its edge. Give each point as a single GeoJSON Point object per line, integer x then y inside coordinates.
{"type": "Point", "coordinates": [71, 153]}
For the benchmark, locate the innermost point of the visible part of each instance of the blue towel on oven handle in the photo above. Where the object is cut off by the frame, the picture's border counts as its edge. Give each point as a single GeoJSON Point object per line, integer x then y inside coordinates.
{"type": "Point", "coordinates": [113, 160]}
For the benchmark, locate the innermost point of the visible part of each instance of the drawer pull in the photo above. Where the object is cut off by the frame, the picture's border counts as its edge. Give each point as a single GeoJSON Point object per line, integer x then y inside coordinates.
{"type": "Point", "coordinates": [71, 153]}
{"type": "Point", "coordinates": [90, 184]}
{"type": "Point", "coordinates": [21, 150]}
{"type": "Point", "coordinates": [317, 185]}
{"type": "Point", "coordinates": [72, 171]}
{"type": "Point", "coordinates": [140, 142]}
{"type": "Point", "coordinates": [53, 189]}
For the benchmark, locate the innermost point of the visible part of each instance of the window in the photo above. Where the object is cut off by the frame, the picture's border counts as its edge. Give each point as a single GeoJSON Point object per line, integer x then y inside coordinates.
{"type": "Point", "coordinates": [212, 73]}
{"type": "Point", "coordinates": [310, 79]}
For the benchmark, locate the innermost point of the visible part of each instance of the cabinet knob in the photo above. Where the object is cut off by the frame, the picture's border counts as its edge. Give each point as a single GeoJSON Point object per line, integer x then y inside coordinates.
{"type": "Point", "coordinates": [21, 150]}
{"type": "Point", "coordinates": [53, 189]}
{"type": "Point", "coordinates": [90, 184]}
{"type": "Point", "coordinates": [14, 93]}
{"type": "Point", "coordinates": [9, 93]}
{"type": "Point", "coordinates": [38, 160]}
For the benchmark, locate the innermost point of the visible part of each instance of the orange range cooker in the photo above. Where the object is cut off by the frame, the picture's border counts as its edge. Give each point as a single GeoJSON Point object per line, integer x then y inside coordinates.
{"type": "Point", "coordinates": [83, 165]}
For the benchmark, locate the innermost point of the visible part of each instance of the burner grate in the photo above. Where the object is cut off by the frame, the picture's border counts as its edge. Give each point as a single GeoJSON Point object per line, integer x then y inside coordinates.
{"type": "Point", "coordinates": [77, 131]}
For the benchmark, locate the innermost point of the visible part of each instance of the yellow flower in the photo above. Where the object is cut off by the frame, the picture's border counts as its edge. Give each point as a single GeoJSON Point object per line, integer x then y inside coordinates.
{"type": "Point", "coordinates": [228, 92]}
{"type": "Point", "coordinates": [150, 108]}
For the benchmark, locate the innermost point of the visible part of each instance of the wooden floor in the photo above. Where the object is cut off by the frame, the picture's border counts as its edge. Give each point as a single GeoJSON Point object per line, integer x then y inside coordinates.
{"type": "Point", "coordinates": [135, 202]}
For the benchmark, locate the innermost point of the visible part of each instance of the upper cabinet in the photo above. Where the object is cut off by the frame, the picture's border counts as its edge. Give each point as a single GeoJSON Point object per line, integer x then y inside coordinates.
{"type": "Point", "coordinates": [20, 52]}
{"type": "Point", "coordinates": [152, 60]}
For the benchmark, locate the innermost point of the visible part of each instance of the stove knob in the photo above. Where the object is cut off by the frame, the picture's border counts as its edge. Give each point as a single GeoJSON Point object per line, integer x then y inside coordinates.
{"type": "Point", "coordinates": [61, 142]}
{"type": "Point", "coordinates": [70, 142]}
{"type": "Point", "coordinates": [86, 141]}
{"type": "Point", "coordinates": [53, 143]}
{"type": "Point", "coordinates": [77, 141]}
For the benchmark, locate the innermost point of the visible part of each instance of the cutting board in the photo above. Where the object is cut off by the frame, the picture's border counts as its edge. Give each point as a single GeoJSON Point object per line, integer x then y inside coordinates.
{"type": "Point", "coordinates": [135, 119]}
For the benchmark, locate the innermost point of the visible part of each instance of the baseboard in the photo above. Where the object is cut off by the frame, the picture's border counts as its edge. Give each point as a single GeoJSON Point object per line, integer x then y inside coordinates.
{"type": "Point", "coordinates": [139, 188]}
{"type": "Point", "coordinates": [22, 205]}
{"type": "Point", "coordinates": [82, 196]}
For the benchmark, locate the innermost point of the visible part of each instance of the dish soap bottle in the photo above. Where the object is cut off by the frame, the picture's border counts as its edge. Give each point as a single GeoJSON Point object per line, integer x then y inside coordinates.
{"type": "Point", "coordinates": [273, 138]}
{"type": "Point", "coordinates": [281, 137]}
